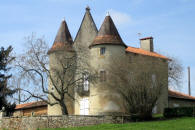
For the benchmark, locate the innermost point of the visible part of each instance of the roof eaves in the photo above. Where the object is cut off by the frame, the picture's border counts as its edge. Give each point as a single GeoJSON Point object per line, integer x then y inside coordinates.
{"type": "Point", "coordinates": [179, 95]}
{"type": "Point", "coordinates": [160, 56]}
{"type": "Point", "coordinates": [181, 98]}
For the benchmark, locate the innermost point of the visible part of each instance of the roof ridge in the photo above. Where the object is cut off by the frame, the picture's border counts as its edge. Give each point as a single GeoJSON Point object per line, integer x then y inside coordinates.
{"type": "Point", "coordinates": [30, 102]}
{"type": "Point", "coordinates": [143, 50]}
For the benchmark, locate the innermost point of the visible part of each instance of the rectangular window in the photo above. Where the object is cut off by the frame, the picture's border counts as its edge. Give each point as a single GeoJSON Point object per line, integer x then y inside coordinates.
{"type": "Point", "coordinates": [154, 80]}
{"type": "Point", "coordinates": [175, 105]}
{"type": "Point", "coordinates": [86, 82]}
{"type": "Point", "coordinates": [102, 76]}
{"type": "Point", "coordinates": [154, 110]}
{"type": "Point", "coordinates": [84, 106]}
{"type": "Point", "coordinates": [102, 50]}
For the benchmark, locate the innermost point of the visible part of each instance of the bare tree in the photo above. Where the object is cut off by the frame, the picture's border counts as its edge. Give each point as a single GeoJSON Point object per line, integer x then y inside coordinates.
{"type": "Point", "coordinates": [140, 84]}
{"type": "Point", "coordinates": [175, 73]}
{"type": "Point", "coordinates": [38, 74]}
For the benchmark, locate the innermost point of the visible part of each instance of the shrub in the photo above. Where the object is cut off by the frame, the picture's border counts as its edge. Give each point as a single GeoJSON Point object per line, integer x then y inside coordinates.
{"type": "Point", "coordinates": [179, 112]}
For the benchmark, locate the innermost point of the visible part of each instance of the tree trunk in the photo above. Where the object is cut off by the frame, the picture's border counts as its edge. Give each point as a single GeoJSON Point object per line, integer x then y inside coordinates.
{"type": "Point", "coordinates": [63, 108]}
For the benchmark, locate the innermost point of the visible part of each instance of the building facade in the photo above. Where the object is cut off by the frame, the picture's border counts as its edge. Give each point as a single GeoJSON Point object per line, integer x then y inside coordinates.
{"type": "Point", "coordinates": [101, 48]}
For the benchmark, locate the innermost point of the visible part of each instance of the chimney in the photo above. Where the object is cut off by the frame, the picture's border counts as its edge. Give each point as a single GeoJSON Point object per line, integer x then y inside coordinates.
{"type": "Point", "coordinates": [147, 44]}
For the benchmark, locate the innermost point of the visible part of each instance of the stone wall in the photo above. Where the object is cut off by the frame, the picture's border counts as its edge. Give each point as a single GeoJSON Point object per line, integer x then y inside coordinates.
{"type": "Point", "coordinates": [32, 123]}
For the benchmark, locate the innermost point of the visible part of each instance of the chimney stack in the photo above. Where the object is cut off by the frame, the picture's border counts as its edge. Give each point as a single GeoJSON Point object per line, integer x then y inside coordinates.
{"type": "Point", "coordinates": [147, 44]}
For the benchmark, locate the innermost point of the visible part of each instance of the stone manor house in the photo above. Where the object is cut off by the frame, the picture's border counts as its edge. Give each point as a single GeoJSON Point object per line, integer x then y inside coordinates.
{"type": "Point", "coordinates": [103, 45]}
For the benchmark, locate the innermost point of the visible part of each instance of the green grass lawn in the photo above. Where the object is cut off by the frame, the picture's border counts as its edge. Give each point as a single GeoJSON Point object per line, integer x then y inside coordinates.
{"type": "Point", "coordinates": [185, 123]}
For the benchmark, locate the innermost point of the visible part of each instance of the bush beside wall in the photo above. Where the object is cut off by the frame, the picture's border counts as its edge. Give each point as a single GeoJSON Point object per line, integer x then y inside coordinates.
{"type": "Point", "coordinates": [179, 112]}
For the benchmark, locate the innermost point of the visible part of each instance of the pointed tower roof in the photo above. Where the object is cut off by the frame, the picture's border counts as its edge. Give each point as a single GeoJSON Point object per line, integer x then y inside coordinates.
{"type": "Point", "coordinates": [108, 34]}
{"type": "Point", "coordinates": [87, 29]}
{"type": "Point", "coordinates": [63, 40]}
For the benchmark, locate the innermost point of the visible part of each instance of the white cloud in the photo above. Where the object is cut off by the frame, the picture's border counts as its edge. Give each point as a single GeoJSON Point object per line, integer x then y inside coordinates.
{"type": "Point", "coordinates": [120, 18]}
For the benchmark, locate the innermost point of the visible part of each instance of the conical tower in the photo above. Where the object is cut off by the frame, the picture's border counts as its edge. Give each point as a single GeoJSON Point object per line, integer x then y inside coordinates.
{"type": "Point", "coordinates": [85, 36]}
{"type": "Point", "coordinates": [63, 39]}
{"type": "Point", "coordinates": [87, 31]}
{"type": "Point", "coordinates": [107, 49]}
{"type": "Point", "coordinates": [61, 50]}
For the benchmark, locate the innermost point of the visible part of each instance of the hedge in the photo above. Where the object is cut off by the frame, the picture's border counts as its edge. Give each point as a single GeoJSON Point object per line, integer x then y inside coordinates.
{"type": "Point", "coordinates": [179, 112]}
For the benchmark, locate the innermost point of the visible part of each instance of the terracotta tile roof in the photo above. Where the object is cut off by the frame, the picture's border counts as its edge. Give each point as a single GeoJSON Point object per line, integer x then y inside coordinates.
{"type": "Point", "coordinates": [179, 95]}
{"type": "Point", "coordinates": [144, 52]}
{"type": "Point", "coordinates": [30, 105]}
{"type": "Point", "coordinates": [108, 34]}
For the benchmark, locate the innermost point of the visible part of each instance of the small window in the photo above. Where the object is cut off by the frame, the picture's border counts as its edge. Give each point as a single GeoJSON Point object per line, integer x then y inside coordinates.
{"type": "Point", "coordinates": [32, 113]}
{"type": "Point", "coordinates": [175, 105]}
{"type": "Point", "coordinates": [153, 78]}
{"type": "Point", "coordinates": [86, 82]}
{"type": "Point", "coordinates": [154, 110]}
{"type": "Point", "coordinates": [102, 76]}
{"type": "Point", "coordinates": [102, 50]}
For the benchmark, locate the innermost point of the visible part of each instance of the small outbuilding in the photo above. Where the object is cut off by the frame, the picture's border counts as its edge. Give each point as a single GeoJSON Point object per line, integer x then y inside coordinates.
{"type": "Point", "coordinates": [31, 109]}
{"type": "Point", "coordinates": [177, 99]}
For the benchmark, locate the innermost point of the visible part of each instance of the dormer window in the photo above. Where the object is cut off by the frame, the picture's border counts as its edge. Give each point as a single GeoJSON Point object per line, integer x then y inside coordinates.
{"type": "Point", "coordinates": [102, 50]}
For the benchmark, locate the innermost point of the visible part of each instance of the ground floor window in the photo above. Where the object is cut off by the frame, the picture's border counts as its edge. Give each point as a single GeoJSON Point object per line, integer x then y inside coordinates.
{"type": "Point", "coordinates": [84, 106]}
{"type": "Point", "coordinates": [154, 110]}
{"type": "Point", "coordinates": [175, 105]}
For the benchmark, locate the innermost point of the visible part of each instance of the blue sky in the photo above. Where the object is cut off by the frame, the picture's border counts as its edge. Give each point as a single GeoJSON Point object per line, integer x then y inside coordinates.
{"type": "Point", "coordinates": [170, 22]}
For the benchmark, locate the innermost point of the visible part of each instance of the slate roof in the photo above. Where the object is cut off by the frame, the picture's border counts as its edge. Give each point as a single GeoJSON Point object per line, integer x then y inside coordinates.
{"type": "Point", "coordinates": [144, 52]}
{"type": "Point", "coordinates": [63, 39]}
{"type": "Point", "coordinates": [30, 105]}
{"type": "Point", "coordinates": [108, 34]}
{"type": "Point", "coordinates": [179, 95]}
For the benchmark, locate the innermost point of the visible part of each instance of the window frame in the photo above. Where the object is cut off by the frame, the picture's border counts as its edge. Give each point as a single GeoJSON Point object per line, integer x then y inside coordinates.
{"type": "Point", "coordinates": [84, 106]}
{"type": "Point", "coordinates": [102, 51]}
{"type": "Point", "coordinates": [102, 75]}
{"type": "Point", "coordinates": [154, 79]}
{"type": "Point", "coordinates": [86, 81]}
